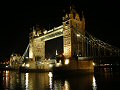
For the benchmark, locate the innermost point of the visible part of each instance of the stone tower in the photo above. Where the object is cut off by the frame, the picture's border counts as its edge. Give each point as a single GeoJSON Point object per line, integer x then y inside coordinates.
{"type": "Point", "coordinates": [37, 46]}
{"type": "Point", "coordinates": [73, 27]}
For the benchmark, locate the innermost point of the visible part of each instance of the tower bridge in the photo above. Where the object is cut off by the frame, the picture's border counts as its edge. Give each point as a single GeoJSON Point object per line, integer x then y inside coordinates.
{"type": "Point", "coordinates": [77, 42]}
{"type": "Point", "coordinates": [70, 46]}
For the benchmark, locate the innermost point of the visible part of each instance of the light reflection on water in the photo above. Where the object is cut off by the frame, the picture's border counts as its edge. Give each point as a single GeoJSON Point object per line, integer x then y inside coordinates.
{"type": "Point", "coordinates": [61, 85]}
{"type": "Point", "coordinates": [46, 81]}
{"type": "Point", "coordinates": [57, 84]}
{"type": "Point", "coordinates": [26, 81]}
{"type": "Point", "coordinates": [94, 84]}
{"type": "Point", "coordinates": [50, 79]}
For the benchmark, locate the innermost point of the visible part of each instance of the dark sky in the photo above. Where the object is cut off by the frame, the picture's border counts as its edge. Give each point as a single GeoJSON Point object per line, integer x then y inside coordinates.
{"type": "Point", "coordinates": [16, 18]}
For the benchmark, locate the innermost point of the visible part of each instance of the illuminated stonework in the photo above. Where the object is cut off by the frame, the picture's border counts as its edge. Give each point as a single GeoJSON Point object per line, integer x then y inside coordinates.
{"type": "Point", "coordinates": [39, 49]}
{"type": "Point", "coordinates": [67, 40]}
{"type": "Point", "coordinates": [37, 42]}
{"type": "Point", "coordinates": [30, 51]}
{"type": "Point", "coordinates": [73, 45]}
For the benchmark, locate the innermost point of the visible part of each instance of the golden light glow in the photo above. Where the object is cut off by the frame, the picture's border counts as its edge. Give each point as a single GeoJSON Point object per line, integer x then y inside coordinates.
{"type": "Point", "coordinates": [67, 52]}
{"type": "Point", "coordinates": [7, 78]}
{"type": "Point", "coordinates": [50, 79]}
{"type": "Point", "coordinates": [78, 35]}
{"type": "Point", "coordinates": [45, 32]}
{"type": "Point", "coordinates": [66, 85]}
{"type": "Point", "coordinates": [94, 84]}
{"type": "Point", "coordinates": [30, 53]}
{"type": "Point", "coordinates": [27, 65]}
{"type": "Point", "coordinates": [50, 74]}
{"type": "Point", "coordinates": [93, 64]}
{"type": "Point", "coordinates": [58, 64]}
{"type": "Point", "coordinates": [50, 65]}
{"type": "Point", "coordinates": [67, 61]}
{"type": "Point", "coordinates": [23, 64]}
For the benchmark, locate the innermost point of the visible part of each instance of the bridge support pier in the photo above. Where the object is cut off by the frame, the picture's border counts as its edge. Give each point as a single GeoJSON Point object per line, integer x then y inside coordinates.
{"type": "Point", "coordinates": [83, 66]}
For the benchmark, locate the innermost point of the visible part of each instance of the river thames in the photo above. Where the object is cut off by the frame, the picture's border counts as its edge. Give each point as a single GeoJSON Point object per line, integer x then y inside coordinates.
{"type": "Point", "coordinates": [13, 80]}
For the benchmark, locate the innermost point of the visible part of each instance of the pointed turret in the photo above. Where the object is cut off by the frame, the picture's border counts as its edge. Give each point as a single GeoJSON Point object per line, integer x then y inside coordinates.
{"type": "Point", "coordinates": [72, 9]}
{"type": "Point", "coordinates": [83, 21]}
{"type": "Point", "coordinates": [72, 12]}
{"type": "Point", "coordinates": [77, 17]}
{"type": "Point", "coordinates": [34, 31]}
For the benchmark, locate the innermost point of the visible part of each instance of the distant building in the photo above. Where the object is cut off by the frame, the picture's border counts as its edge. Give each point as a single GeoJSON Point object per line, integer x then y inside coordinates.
{"type": "Point", "coordinates": [15, 60]}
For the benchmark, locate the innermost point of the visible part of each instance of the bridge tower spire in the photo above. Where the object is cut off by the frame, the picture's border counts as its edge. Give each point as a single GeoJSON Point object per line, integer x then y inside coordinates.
{"type": "Point", "coordinates": [71, 25]}
{"type": "Point", "coordinates": [83, 21]}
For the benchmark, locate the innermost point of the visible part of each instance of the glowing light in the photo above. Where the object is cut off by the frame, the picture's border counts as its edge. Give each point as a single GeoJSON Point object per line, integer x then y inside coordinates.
{"type": "Point", "coordinates": [66, 61]}
{"type": "Point", "coordinates": [6, 66]}
{"type": "Point", "coordinates": [60, 61]}
{"type": "Point", "coordinates": [26, 57]}
{"type": "Point", "coordinates": [45, 32]}
{"type": "Point", "coordinates": [23, 64]}
{"type": "Point", "coordinates": [27, 65]}
{"type": "Point", "coordinates": [49, 59]}
{"type": "Point", "coordinates": [7, 78]}
{"type": "Point", "coordinates": [50, 65]}
{"type": "Point", "coordinates": [66, 85]}
{"type": "Point", "coordinates": [58, 64]}
{"type": "Point", "coordinates": [93, 64]}
{"type": "Point", "coordinates": [30, 52]}
{"type": "Point", "coordinates": [56, 52]}
{"type": "Point", "coordinates": [50, 79]}
{"type": "Point", "coordinates": [27, 80]}
{"type": "Point", "coordinates": [94, 84]}
{"type": "Point", "coordinates": [50, 74]}
{"type": "Point", "coordinates": [78, 35]}
{"type": "Point", "coordinates": [67, 51]}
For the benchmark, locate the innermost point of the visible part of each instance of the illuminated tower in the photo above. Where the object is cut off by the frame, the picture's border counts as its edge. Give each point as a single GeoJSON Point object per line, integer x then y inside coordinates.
{"type": "Point", "coordinates": [73, 27]}
{"type": "Point", "coordinates": [37, 46]}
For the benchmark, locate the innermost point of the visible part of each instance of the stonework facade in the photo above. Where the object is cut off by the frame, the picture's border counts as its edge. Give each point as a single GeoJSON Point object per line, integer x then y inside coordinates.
{"type": "Point", "coordinates": [72, 25]}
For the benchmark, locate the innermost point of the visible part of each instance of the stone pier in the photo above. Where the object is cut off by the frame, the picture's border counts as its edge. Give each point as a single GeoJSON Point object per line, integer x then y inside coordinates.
{"type": "Point", "coordinates": [75, 68]}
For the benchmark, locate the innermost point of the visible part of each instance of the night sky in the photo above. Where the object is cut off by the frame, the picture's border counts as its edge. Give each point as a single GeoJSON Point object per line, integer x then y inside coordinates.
{"type": "Point", "coordinates": [17, 19]}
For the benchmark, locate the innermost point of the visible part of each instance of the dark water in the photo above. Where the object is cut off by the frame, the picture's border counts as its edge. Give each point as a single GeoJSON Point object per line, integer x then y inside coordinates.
{"type": "Point", "coordinates": [11, 80]}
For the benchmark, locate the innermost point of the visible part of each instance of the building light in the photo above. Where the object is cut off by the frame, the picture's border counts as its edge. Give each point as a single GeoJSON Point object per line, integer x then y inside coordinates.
{"type": "Point", "coordinates": [50, 65]}
{"type": "Point", "coordinates": [67, 51]}
{"type": "Point", "coordinates": [66, 61]}
{"type": "Point", "coordinates": [50, 74]}
{"type": "Point", "coordinates": [78, 35]}
{"type": "Point", "coordinates": [93, 64]}
{"type": "Point", "coordinates": [23, 64]}
{"type": "Point", "coordinates": [49, 59]}
{"type": "Point", "coordinates": [59, 64]}
{"type": "Point", "coordinates": [30, 52]}
{"type": "Point", "coordinates": [27, 65]}
{"type": "Point", "coordinates": [56, 52]}
{"type": "Point", "coordinates": [45, 32]}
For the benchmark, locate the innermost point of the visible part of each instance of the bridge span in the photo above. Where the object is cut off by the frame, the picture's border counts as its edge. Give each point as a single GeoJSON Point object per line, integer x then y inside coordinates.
{"type": "Point", "coordinates": [79, 46]}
